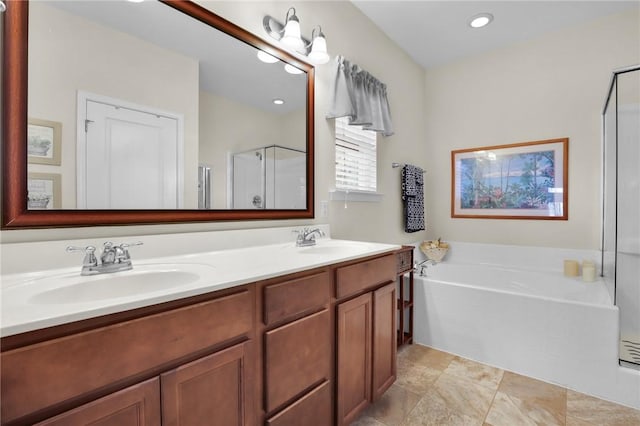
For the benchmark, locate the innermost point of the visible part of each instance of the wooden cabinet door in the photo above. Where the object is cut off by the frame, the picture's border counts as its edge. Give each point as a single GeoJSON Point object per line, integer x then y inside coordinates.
{"type": "Point", "coordinates": [384, 339]}
{"type": "Point", "coordinates": [354, 357]}
{"type": "Point", "coordinates": [137, 405]}
{"type": "Point", "coordinates": [209, 391]}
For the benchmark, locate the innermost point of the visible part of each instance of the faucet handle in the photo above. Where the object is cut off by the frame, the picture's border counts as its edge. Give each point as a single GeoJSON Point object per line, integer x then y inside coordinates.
{"type": "Point", "coordinates": [123, 250]}
{"type": "Point", "coordinates": [116, 253]}
{"type": "Point", "coordinates": [89, 258]}
{"type": "Point", "coordinates": [126, 245]}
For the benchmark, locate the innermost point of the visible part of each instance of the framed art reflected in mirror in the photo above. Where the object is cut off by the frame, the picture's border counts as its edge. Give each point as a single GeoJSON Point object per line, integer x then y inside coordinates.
{"type": "Point", "coordinates": [44, 141]}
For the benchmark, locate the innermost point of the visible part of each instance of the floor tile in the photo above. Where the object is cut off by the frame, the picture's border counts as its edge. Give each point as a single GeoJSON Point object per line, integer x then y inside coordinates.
{"type": "Point", "coordinates": [599, 412]}
{"type": "Point", "coordinates": [452, 401]}
{"type": "Point", "coordinates": [572, 421]}
{"type": "Point", "coordinates": [479, 373]}
{"type": "Point", "coordinates": [415, 377]}
{"type": "Point", "coordinates": [441, 389]}
{"type": "Point", "coordinates": [394, 406]}
{"type": "Point", "coordinates": [539, 401]}
{"type": "Point", "coordinates": [423, 355]}
{"type": "Point", "coordinates": [508, 410]}
{"type": "Point", "coordinates": [367, 421]}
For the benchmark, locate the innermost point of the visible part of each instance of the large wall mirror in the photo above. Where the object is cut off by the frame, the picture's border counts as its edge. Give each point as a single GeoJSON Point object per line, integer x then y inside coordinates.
{"type": "Point", "coordinates": [120, 112]}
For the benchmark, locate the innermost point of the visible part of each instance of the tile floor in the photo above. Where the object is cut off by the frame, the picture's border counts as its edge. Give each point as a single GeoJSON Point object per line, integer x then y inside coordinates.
{"type": "Point", "coordinates": [438, 388]}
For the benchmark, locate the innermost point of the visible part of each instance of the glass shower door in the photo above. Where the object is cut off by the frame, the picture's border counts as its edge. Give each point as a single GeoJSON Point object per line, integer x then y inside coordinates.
{"type": "Point", "coordinates": [249, 179]}
{"type": "Point", "coordinates": [621, 237]}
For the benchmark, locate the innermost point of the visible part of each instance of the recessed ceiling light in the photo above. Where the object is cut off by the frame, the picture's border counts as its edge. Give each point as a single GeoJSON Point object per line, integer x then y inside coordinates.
{"type": "Point", "coordinates": [480, 20]}
{"type": "Point", "coordinates": [278, 101]}
{"type": "Point", "coordinates": [135, 1]}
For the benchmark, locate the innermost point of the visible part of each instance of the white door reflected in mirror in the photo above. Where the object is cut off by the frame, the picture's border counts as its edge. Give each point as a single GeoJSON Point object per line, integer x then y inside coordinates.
{"type": "Point", "coordinates": [132, 156]}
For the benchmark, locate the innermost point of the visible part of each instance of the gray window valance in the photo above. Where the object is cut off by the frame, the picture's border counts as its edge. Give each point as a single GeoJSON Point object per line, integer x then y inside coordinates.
{"type": "Point", "coordinates": [360, 96]}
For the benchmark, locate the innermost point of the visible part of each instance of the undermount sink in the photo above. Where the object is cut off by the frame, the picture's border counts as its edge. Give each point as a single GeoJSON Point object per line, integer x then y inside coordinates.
{"type": "Point", "coordinates": [148, 278]}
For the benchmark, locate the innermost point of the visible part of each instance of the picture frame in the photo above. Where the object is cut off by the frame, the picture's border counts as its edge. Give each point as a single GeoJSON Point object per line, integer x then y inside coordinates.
{"type": "Point", "coordinates": [44, 141]}
{"type": "Point", "coordinates": [44, 191]}
{"type": "Point", "coordinates": [527, 180]}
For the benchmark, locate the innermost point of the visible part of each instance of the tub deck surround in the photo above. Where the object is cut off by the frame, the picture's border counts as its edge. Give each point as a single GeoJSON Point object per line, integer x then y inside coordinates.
{"type": "Point", "coordinates": [24, 310]}
{"type": "Point", "coordinates": [533, 322]}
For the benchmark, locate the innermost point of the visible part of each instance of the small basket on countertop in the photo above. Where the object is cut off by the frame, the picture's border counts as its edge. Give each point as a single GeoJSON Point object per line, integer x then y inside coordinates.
{"type": "Point", "coordinates": [435, 250]}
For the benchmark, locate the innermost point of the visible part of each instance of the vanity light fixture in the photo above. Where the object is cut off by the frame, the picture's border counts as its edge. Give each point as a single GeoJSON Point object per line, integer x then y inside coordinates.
{"type": "Point", "coordinates": [289, 35]}
{"type": "Point", "coordinates": [480, 20]}
{"type": "Point", "coordinates": [318, 54]}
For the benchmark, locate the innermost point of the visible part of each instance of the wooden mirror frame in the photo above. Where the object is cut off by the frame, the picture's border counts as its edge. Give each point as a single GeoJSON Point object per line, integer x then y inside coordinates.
{"type": "Point", "coordinates": [15, 214]}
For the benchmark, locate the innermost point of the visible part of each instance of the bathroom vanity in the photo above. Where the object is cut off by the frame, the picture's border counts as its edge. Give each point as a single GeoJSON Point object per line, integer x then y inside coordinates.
{"type": "Point", "coordinates": [319, 343]}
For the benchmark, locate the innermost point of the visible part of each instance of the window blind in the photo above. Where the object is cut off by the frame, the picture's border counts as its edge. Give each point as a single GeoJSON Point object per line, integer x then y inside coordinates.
{"type": "Point", "coordinates": [355, 157]}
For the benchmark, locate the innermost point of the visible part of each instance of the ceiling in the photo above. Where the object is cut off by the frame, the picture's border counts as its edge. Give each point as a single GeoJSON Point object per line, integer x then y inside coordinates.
{"type": "Point", "coordinates": [227, 67]}
{"type": "Point", "coordinates": [435, 33]}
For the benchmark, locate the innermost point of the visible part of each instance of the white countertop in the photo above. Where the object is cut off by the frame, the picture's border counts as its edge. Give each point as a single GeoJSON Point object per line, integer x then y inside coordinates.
{"type": "Point", "coordinates": [24, 309]}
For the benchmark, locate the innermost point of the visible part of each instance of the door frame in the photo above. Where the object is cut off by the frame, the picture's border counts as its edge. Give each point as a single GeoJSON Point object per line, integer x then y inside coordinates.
{"type": "Point", "coordinates": [81, 140]}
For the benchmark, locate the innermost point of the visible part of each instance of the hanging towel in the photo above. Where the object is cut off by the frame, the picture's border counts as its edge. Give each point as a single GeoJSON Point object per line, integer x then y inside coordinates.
{"type": "Point", "coordinates": [413, 198]}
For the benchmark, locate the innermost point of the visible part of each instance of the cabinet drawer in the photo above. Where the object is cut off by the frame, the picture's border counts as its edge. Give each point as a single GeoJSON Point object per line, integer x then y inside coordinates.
{"type": "Point", "coordinates": [313, 408]}
{"type": "Point", "coordinates": [44, 374]}
{"type": "Point", "coordinates": [355, 278]}
{"type": "Point", "coordinates": [138, 405]}
{"type": "Point", "coordinates": [404, 261]}
{"type": "Point", "coordinates": [290, 298]}
{"type": "Point", "coordinates": [297, 356]}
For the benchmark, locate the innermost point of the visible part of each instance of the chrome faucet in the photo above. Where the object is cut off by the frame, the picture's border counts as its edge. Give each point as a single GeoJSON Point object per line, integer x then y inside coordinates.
{"type": "Point", "coordinates": [423, 266]}
{"type": "Point", "coordinates": [114, 258]}
{"type": "Point", "coordinates": [307, 236]}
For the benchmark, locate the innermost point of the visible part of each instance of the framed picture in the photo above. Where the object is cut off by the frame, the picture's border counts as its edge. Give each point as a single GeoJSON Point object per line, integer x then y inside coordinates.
{"type": "Point", "coordinates": [44, 191]}
{"type": "Point", "coordinates": [517, 181]}
{"type": "Point", "coordinates": [44, 141]}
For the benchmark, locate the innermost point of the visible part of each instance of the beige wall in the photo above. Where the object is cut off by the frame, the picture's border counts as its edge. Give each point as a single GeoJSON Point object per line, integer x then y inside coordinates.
{"type": "Point", "coordinates": [546, 88]}
{"type": "Point", "coordinates": [61, 63]}
{"type": "Point", "coordinates": [351, 34]}
{"type": "Point", "coordinates": [228, 127]}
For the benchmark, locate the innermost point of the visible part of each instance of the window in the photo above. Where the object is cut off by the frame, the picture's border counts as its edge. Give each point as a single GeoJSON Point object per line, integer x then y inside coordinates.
{"type": "Point", "coordinates": [355, 157]}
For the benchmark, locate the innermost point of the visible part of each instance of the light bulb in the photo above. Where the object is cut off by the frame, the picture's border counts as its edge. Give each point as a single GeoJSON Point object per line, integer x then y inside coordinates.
{"type": "Point", "coordinates": [266, 58]}
{"type": "Point", "coordinates": [318, 54]}
{"type": "Point", "coordinates": [292, 70]}
{"type": "Point", "coordinates": [291, 37]}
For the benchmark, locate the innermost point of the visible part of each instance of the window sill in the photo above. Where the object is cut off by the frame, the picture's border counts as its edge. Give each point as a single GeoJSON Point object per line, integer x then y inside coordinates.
{"type": "Point", "coordinates": [355, 196]}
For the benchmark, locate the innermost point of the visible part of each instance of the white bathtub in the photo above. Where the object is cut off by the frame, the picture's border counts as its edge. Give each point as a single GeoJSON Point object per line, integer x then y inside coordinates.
{"type": "Point", "coordinates": [540, 324]}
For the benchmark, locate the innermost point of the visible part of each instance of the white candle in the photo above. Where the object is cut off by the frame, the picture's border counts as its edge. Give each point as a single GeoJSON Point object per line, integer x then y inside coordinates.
{"type": "Point", "coordinates": [588, 272]}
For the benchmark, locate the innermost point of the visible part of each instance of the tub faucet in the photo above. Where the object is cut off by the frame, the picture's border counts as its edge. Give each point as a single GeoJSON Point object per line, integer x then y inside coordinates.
{"type": "Point", "coordinates": [423, 267]}
{"type": "Point", "coordinates": [307, 236]}
{"type": "Point", "coordinates": [114, 258]}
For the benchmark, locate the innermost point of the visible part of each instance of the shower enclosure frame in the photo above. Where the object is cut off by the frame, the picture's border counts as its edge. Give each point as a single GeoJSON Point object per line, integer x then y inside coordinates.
{"type": "Point", "coordinates": [609, 264]}
{"type": "Point", "coordinates": [264, 172]}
